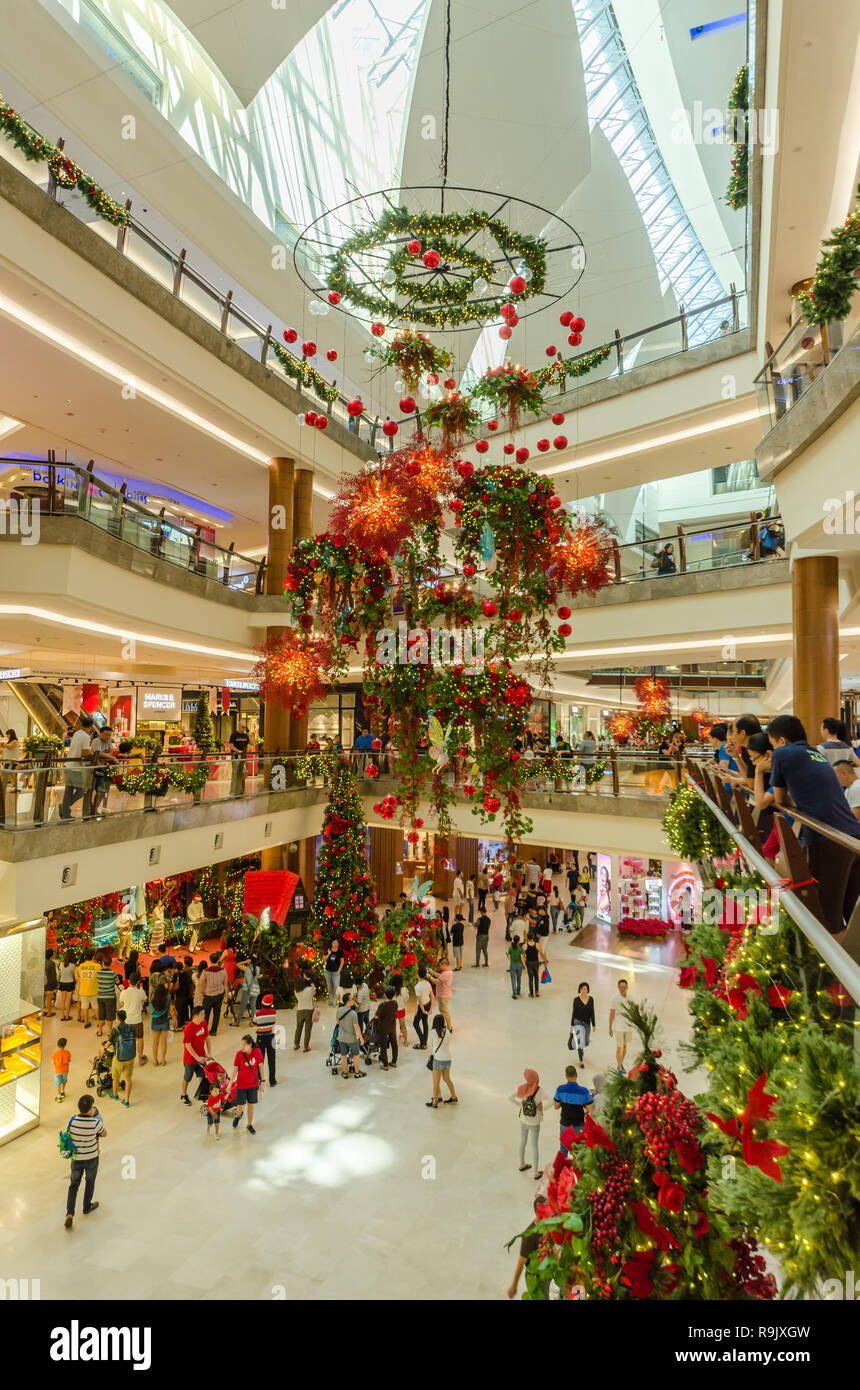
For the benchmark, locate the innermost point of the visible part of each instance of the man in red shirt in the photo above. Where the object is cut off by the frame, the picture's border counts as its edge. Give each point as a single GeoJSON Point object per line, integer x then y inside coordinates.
{"type": "Point", "coordinates": [248, 1079]}
{"type": "Point", "coordinates": [195, 1051]}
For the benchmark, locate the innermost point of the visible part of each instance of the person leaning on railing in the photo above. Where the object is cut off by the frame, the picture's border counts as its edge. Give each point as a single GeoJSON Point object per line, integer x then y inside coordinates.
{"type": "Point", "coordinates": [802, 776]}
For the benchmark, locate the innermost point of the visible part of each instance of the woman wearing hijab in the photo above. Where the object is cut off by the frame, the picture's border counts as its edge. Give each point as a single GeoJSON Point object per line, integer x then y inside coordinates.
{"type": "Point", "coordinates": [530, 1099]}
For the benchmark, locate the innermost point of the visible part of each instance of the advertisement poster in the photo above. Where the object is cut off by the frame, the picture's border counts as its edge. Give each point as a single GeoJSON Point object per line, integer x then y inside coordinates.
{"type": "Point", "coordinates": [604, 887]}
{"type": "Point", "coordinates": [632, 873]}
{"type": "Point", "coordinates": [683, 891]}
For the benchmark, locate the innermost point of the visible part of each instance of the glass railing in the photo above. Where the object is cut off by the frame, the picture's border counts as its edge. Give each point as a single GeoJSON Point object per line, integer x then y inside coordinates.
{"type": "Point", "coordinates": [63, 489]}
{"type": "Point", "coordinates": [616, 771]}
{"type": "Point", "coordinates": [707, 547]}
{"type": "Point", "coordinates": [806, 351]}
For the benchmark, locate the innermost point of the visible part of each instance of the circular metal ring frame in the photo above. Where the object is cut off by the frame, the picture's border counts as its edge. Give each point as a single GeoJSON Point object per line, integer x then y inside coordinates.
{"type": "Point", "coordinates": [555, 255]}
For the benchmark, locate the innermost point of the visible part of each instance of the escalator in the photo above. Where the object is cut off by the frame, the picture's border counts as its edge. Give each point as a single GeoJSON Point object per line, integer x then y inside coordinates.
{"type": "Point", "coordinates": [43, 703]}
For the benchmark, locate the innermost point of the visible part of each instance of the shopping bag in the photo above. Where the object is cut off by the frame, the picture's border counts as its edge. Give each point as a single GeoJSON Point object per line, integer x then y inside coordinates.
{"type": "Point", "coordinates": [546, 978]}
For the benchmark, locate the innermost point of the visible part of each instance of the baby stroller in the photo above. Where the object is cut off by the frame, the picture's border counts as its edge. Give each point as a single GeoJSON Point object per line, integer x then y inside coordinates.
{"type": "Point", "coordinates": [371, 1049]}
{"type": "Point", "coordinates": [100, 1079]}
{"type": "Point", "coordinates": [212, 1071]}
{"type": "Point", "coordinates": [333, 1058]}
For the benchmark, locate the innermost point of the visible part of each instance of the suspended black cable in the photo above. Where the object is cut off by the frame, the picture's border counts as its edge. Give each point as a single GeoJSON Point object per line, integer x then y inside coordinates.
{"type": "Point", "coordinates": [447, 101]}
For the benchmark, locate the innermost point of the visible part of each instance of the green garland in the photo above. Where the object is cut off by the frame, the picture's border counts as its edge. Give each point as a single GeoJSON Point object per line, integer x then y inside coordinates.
{"type": "Point", "coordinates": [563, 370]}
{"type": "Point", "coordinates": [155, 778]}
{"type": "Point", "coordinates": [836, 276]}
{"type": "Point", "coordinates": [692, 830]}
{"type": "Point", "coordinates": [737, 194]}
{"type": "Point", "coordinates": [40, 743]}
{"type": "Point", "coordinates": [66, 172]}
{"type": "Point", "coordinates": [435, 302]}
{"type": "Point", "coordinates": [299, 369]}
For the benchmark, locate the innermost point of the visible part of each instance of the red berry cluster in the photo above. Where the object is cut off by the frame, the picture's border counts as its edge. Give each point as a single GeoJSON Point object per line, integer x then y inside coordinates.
{"type": "Point", "coordinates": [608, 1202]}
{"type": "Point", "coordinates": [666, 1120]}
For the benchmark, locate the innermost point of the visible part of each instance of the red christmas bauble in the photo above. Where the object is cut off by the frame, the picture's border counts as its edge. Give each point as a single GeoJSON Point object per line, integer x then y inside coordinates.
{"type": "Point", "coordinates": [575, 339]}
{"type": "Point", "coordinates": [512, 320]}
{"type": "Point", "coordinates": [431, 259]}
{"type": "Point", "coordinates": [465, 469]}
{"type": "Point", "coordinates": [482, 446]}
{"type": "Point", "coordinates": [389, 429]}
{"type": "Point", "coordinates": [506, 310]}
{"type": "Point", "coordinates": [554, 502]}
{"type": "Point", "coordinates": [290, 335]}
{"type": "Point", "coordinates": [489, 608]}
{"type": "Point", "coordinates": [558, 418]}
{"type": "Point", "coordinates": [414, 248]}
{"type": "Point", "coordinates": [491, 803]}
{"type": "Point", "coordinates": [407, 404]}
{"type": "Point", "coordinates": [371, 771]}
{"type": "Point", "coordinates": [804, 343]}
{"type": "Point", "coordinates": [564, 612]}
{"type": "Point", "coordinates": [565, 318]}
{"type": "Point", "coordinates": [333, 297]}
{"type": "Point", "coordinates": [321, 422]}
{"type": "Point", "coordinates": [492, 425]}
{"type": "Point", "coordinates": [564, 630]}
{"type": "Point", "coordinates": [522, 454]}
{"type": "Point", "coordinates": [309, 349]}
{"type": "Point", "coordinates": [577, 324]}
{"type": "Point", "coordinates": [469, 569]}
{"type": "Point", "coordinates": [505, 332]}
{"type": "Point", "coordinates": [551, 350]}
{"type": "Point", "coordinates": [560, 442]}
{"type": "Point", "coordinates": [515, 615]}
{"type": "Point", "coordinates": [331, 355]}
{"type": "Point", "coordinates": [432, 379]}
{"type": "Point", "coordinates": [310, 417]}
{"type": "Point", "coordinates": [449, 383]}
{"type": "Point", "coordinates": [515, 757]}
{"type": "Point", "coordinates": [354, 408]}
{"type": "Point", "coordinates": [377, 329]}
{"type": "Point", "coordinates": [543, 445]}
{"type": "Point", "coordinates": [509, 448]}
{"type": "Point", "coordinates": [418, 822]}
{"type": "Point", "coordinates": [413, 468]}
{"type": "Point", "coordinates": [517, 284]}
{"type": "Point", "coordinates": [413, 837]}
{"type": "Point", "coordinates": [376, 745]}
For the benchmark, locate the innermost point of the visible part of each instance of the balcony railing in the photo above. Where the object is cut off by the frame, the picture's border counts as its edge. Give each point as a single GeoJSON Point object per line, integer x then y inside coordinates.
{"type": "Point", "coordinates": [705, 547]}
{"type": "Point", "coordinates": [805, 352]}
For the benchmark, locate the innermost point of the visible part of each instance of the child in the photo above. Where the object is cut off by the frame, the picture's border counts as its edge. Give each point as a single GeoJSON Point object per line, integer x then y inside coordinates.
{"type": "Point", "coordinates": [61, 1059]}
{"type": "Point", "coordinates": [215, 1104]}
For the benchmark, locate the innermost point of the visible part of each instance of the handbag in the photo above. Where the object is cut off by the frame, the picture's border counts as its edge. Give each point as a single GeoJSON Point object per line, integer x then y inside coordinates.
{"type": "Point", "coordinates": [571, 1045]}
{"type": "Point", "coordinates": [429, 1062]}
{"type": "Point", "coordinates": [546, 978]}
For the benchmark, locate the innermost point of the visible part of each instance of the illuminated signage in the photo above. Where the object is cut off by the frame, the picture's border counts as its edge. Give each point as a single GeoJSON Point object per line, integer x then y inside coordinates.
{"type": "Point", "coordinates": [243, 685]}
{"type": "Point", "coordinates": [13, 673]}
{"type": "Point", "coordinates": [153, 703]}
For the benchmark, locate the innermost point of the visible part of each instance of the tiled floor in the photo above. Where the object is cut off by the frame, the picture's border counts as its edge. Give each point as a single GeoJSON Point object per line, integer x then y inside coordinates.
{"type": "Point", "coordinates": [349, 1188]}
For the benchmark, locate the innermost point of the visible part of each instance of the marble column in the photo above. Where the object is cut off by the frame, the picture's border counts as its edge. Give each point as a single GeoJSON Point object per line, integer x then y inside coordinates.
{"type": "Point", "coordinates": [303, 529]}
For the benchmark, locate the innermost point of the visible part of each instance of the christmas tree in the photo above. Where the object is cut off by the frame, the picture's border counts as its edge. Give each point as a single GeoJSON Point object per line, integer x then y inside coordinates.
{"type": "Point", "coordinates": [629, 1214]}
{"type": "Point", "coordinates": [203, 728]}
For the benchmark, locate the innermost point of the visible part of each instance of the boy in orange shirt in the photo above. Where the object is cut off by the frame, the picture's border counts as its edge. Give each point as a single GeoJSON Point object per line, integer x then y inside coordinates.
{"type": "Point", "coordinates": [61, 1060]}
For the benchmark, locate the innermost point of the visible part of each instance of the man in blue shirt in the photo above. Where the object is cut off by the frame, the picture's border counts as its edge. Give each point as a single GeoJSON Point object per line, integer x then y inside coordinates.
{"type": "Point", "coordinates": [572, 1100]}
{"type": "Point", "coordinates": [804, 775]}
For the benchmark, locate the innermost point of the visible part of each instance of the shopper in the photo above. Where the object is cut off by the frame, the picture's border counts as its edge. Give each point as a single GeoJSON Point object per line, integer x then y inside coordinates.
{"type": "Point", "coordinates": [124, 1044]}
{"type": "Point", "coordinates": [249, 992]}
{"type": "Point", "coordinates": [423, 1001]}
{"type": "Point", "coordinates": [529, 1245]}
{"type": "Point", "coordinates": [623, 1028]}
{"type": "Point", "coordinates": [515, 953]}
{"type": "Point", "coordinates": [362, 1002]}
{"type": "Point", "coordinates": [834, 742]}
{"type": "Point", "coordinates": [66, 985]}
{"type": "Point", "coordinates": [50, 985]}
{"type": "Point", "coordinates": [265, 1019]}
{"type": "Point", "coordinates": [482, 938]}
{"type": "Point", "coordinates": [401, 995]}
{"type": "Point", "coordinates": [440, 1061]}
{"type": "Point", "coordinates": [77, 772]}
{"type": "Point", "coordinates": [106, 987]}
{"type": "Point", "coordinates": [214, 978]}
{"type": "Point", "coordinates": [458, 928]}
{"type": "Point", "coordinates": [304, 1014]}
{"type": "Point", "coordinates": [386, 1027]}
{"type": "Point", "coordinates": [573, 1100]}
{"type": "Point", "coordinates": [350, 1035]}
{"type": "Point", "coordinates": [87, 978]}
{"type": "Point", "coordinates": [159, 1017]}
{"type": "Point", "coordinates": [458, 892]}
{"type": "Point", "coordinates": [61, 1059]}
{"type": "Point", "coordinates": [470, 896]}
{"type": "Point", "coordinates": [482, 883]}
{"type": "Point", "coordinates": [443, 979]}
{"type": "Point", "coordinates": [534, 959]}
{"type": "Point", "coordinates": [195, 1050]}
{"type": "Point", "coordinates": [555, 907]}
{"type": "Point", "coordinates": [132, 1000]}
{"type": "Point", "coordinates": [530, 1099]}
{"type": "Point", "coordinates": [850, 784]}
{"type": "Point", "coordinates": [248, 1080]}
{"type": "Point", "coordinates": [184, 992]}
{"type": "Point", "coordinates": [582, 1019]}
{"type": "Point", "coordinates": [85, 1130]}
{"type": "Point", "coordinates": [219, 1090]}
{"type": "Point", "coordinates": [333, 963]}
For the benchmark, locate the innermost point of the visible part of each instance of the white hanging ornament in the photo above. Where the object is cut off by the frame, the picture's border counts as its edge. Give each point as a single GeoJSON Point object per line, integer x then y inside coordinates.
{"type": "Point", "coordinates": [300, 418]}
{"type": "Point", "coordinates": [481, 285]}
{"type": "Point", "coordinates": [389, 276]}
{"type": "Point", "coordinates": [314, 307]}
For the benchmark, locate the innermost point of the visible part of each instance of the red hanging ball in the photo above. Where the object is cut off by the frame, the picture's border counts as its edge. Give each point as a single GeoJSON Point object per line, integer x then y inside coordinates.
{"type": "Point", "coordinates": [515, 615]}
{"type": "Point", "coordinates": [377, 329]}
{"type": "Point", "coordinates": [407, 405]}
{"type": "Point", "coordinates": [554, 502]}
{"type": "Point", "coordinates": [413, 837]}
{"type": "Point", "coordinates": [515, 757]}
{"type": "Point", "coordinates": [321, 422]}
{"type": "Point", "coordinates": [309, 349]}
{"type": "Point", "coordinates": [577, 324]}
{"type": "Point", "coordinates": [560, 441]}
{"type": "Point", "coordinates": [290, 335]}
{"type": "Point", "coordinates": [522, 454]}
{"type": "Point", "coordinates": [331, 355]}
{"type": "Point", "coordinates": [414, 248]}
{"type": "Point", "coordinates": [509, 448]}
{"type": "Point", "coordinates": [492, 424]}
{"type": "Point", "coordinates": [432, 379]}
{"type": "Point", "coordinates": [334, 297]}
{"type": "Point", "coordinates": [517, 284]}
{"type": "Point", "coordinates": [418, 822]}
{"type": "Point", "coordinates": [558, 418]}
{"type": "Point", "coordinates": [371, 771]}
{"type": "Point", "coordinates": [512, 320]}
{"type": "Point", "coordinates": [310, 417]}
{"type": "Point", "coordinates": [575, 339]}
{"type": "Point", "coordinates": [505, 332]}
{"type": "Point", "coordinates": [543, 445]}
{"type": "Point", "coordinates": [389, 429]}
{"type": "Point", "coordinates": [564, 612]}
{"type": "Point", "coordinates": [465, 469]}
{"type": "Point", "coordinates": [506, 310]}
{"type": "Point", "coordinates": [469, 569]}
{"type": "Point", "coordinates": [413, 468]}
{"type": "Point", "coordinates": [551, 350]}
{"type": "Point", "coordinates": [449, 383]}
{"type": "Point", "coordinates": [376, 745]}
{"type": "Point", "coordinates": [565, 318]}
{"type": "Point", "coordinates": [482, 446]}
{"type": "Point", "coordinates": [489, 608]}
{"type": "Point", "coordinates": [431, 259]}
{"type": "Point", "coordinates": [354, 408]}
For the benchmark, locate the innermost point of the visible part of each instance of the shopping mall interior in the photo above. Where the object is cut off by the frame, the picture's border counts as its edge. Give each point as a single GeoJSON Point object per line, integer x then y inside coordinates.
{"type": "Point", "coordinates": [523, 635]}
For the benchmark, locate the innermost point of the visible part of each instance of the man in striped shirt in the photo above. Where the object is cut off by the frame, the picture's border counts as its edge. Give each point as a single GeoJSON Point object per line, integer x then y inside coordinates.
{"type": "Point", "coordinates": [106, 998]}
{"type": "Point", "coordinates": [264, 1022]}
{"type": "Point", "coordinates": [84, 1130]}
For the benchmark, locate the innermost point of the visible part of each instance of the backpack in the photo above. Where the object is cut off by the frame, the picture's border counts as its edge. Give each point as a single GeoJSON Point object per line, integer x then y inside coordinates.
{"type": "Point", "coordinates": [529, 1107]}
{"type": "Point", "coordinates": [126, 1045]}
{"type": "Point", "coordinates": [67, 1146]}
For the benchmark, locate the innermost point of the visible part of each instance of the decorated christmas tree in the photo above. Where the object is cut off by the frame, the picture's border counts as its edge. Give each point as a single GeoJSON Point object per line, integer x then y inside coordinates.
{"type": "Point", "coordinates": [629, 1213]}
{"type": "Point", "coordinates": [203, 728]}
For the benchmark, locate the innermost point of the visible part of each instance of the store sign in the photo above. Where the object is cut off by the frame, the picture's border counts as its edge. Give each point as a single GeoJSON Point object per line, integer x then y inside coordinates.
{"type": "Point", "coordinates": [13, 673]}
{"type": "Point", "coordinates": [153, 703]}
{"type": "Point", "coordinates": [253, 686]}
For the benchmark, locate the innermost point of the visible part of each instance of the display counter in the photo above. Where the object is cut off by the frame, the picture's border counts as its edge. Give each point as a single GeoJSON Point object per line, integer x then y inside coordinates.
{"type": "Point", "coordinates": [22, 981]}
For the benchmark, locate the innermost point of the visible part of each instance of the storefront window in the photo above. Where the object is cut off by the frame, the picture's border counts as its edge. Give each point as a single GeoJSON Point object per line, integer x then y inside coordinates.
{"type": "Point", "coordinates": [22, 983]}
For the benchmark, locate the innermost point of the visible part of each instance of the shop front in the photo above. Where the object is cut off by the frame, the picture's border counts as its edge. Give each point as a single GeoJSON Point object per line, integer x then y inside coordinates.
{"type": "Point", "coordinates": [22, 983]}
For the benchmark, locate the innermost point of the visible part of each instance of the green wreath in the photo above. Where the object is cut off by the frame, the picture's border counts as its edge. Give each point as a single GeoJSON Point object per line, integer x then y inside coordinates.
{"type": "Point", "coordinates": [435, 303]}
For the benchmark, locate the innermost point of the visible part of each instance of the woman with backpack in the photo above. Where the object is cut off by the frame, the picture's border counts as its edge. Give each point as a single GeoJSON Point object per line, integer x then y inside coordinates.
{"type": "Point", "coordinates": [124, 1044]}
{"type": "Point", "coordinates": [248, 993]}
{"type": "Point", "coordinates": [530, 1099]}
{"type": "Point", "coordinates": [159, 1017]}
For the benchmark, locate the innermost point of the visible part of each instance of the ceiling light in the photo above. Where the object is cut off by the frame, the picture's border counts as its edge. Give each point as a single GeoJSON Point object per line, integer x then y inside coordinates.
{"type": "Point", "coordinates": [122, 634]}
{"type": "Point", "coordinates": [645, 445]}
